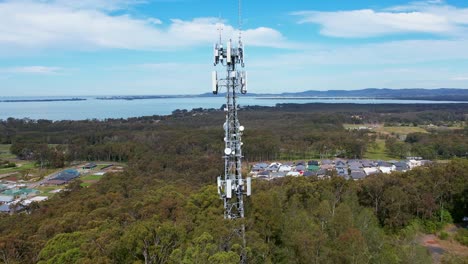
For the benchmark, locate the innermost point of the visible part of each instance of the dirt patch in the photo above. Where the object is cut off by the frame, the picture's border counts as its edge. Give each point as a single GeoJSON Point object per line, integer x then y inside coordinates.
{"type": "Point", "coordinates": [431, 242]}
{"type": "Point", "coordinates": [438, 247]}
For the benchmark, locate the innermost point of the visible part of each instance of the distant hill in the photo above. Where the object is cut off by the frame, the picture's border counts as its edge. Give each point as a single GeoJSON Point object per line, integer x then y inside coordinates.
{"type": "Point", "coordinates": [409, 94]}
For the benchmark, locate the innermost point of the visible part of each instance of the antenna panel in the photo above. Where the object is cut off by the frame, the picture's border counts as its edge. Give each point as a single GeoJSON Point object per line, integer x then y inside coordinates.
{"type": "Point", "coordinates": [214, 82]}
{"type": "Point", "coordinates": [228, 52]}
{"type": "Point", "coordinates": [228, 189]}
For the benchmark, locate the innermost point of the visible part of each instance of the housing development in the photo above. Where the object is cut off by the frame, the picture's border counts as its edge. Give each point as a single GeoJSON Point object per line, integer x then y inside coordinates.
{"type": "Point", "coordinates": [348, 169]}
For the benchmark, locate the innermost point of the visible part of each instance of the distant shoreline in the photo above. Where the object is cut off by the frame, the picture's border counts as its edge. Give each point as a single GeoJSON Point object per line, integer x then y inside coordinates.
{"type": "Point", "coordinates": [260, 97]}
{"type": "Point", "coordinates": [41, 100]}
{"type": "Point", "coordinates": [253, 96]}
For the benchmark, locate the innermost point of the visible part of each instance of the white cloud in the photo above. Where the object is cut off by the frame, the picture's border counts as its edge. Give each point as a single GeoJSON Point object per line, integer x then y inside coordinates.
{"type": "Point", "coordinates": [433, 17]}
{"type": "Point", "coordinates": [396, 64]}
{"type": "Point", "coordinates": [459, 78]}
{"type": "Point", "coordinates": [109, 5]}
{"type": "Point", "coordinates": [32, 70]}
{"type": "Point", "coordinates": [54, 24]}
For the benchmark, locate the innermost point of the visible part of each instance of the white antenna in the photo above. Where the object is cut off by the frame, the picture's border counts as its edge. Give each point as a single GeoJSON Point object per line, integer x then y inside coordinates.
{"type": "Point", "coordinates": [220, 29]}
{"type": "Point", "coordinates": [240, 21]}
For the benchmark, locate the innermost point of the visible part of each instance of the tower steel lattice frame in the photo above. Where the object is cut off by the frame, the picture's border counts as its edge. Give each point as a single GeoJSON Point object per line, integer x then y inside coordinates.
{"type": "Point", "coordinates": [232, 186]}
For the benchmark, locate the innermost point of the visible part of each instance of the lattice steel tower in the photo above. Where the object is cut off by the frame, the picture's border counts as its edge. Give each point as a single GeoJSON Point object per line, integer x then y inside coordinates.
{"type": "Point", "coordinates": [231, 185]}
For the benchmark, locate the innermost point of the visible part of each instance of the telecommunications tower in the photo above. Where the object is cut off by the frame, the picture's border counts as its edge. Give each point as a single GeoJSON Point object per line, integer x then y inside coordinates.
{"type": "Point", "coordinates": [231, 186]}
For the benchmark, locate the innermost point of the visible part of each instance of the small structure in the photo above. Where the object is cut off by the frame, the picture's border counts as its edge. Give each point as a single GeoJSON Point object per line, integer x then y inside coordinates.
{"type": "Point", "coordinates": [259, 167]}
{"type": "Point", "coordinates": [414, 158]}
{"type": "Point", "coordinates": [21, 193]}
{"type": "Point", "coordinates": [10, 208]}
{"type": "Point", "coordinates": [89, 166]}
{"type": "Point", "coordinates": [465, 221]}
{"type": "Point", "coordinates": [263, 175]}
{"type": "Point", "coordinates": [358, 175]}
{"type": "Point", "coordinates": [342, 172]}
{"type": "Point", "coordinates": [293, 173]}
{"type": "Point", "coordinates": [278, 174]}
{"type": "Point", "coordinates": [368, 164]}
{"type": "Point", "coordinates": [285, 168]}
{"type": "Point", "coordinates": [67, 175]}
{"type": "Point", "coordinates": [6, 199]}
{"type": "Point", "coordinates": [321, 173]}
{"type": "Point", "coordinates": [414, 163]}
{"type": "Point", "coordinates": [370, 171]}
{"type": "Point", "coordinates": [386, 167]}
{"type": "Point", "coordinates": [273, 166]}
{"type": "Point", "coordinates": [34, 199]}
{"type": "Point", "coordinates": [313, 167]}
{"type": "Point", "coordinates": [5, 208]}
{"type": "Point", "coordinates": [55, 182]}
{"type": "Point", "coordinates": [300, 168]}
{"type": "Point", "coordinates": [401, 166]}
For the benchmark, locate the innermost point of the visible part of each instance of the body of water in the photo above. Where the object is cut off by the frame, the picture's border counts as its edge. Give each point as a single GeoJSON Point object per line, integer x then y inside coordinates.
{"type": "Point", "coordinates": [102, 109]}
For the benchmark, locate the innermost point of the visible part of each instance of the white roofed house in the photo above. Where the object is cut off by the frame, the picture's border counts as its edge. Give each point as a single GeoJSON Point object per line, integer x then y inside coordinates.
{"type": "Point", "coordinates": [34, 199]}
{"type": "Point", "coordinates": [273, 166]}
{"type": "Point", "coordinates": [370, 171]}
{"type": "Point", "coordinates": [278, 174]}
{"type": "Point", "coordinates": [293, 173]}
{"type": "Point", "coordinates": [414, 163]}
{"type": "Point", "coordinates": [386, 167]}
{"type": "Point", "coordinates": [285, 168]}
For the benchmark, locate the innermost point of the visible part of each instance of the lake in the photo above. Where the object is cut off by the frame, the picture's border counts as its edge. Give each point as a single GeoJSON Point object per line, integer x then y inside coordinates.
{"type": "Point", "coordinates": [101, 109]}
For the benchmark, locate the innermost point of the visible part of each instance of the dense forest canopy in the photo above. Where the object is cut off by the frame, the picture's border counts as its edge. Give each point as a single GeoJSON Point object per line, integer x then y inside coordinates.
{"type": "Point", "coordinates": [165, 209]}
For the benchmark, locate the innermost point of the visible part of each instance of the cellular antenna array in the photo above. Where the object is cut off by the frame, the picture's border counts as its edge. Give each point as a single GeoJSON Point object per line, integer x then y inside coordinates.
{"type": "Point", "coordinates": [231, 185]}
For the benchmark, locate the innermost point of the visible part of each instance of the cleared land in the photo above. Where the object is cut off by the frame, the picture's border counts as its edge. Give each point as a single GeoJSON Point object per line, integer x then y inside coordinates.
{"type": "Point", "coordinates": [380, 128]}
{"type": "Point", "coordinates": [46, 190]}
{"type": "Point", "coordinates": [22, 166]}
{"type": "Point", "coordinates": [89, 180]}
{"type": "Point", "coordinates": [379, 151]}
{"type": "Point", "coordinates": [401, 130]}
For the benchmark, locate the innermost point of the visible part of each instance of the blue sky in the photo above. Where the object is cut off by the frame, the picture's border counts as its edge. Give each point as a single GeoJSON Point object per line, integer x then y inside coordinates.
{"type": "Point", "coordinates": [118, 47]}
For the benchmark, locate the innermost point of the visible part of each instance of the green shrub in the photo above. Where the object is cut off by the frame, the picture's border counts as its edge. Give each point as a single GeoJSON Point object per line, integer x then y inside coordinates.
{"type": "Point", "coordinates": [462, 236]}
{"type": "Point", "coordinates": [443, 235]}
{"type": "Point", "coordinates": [430, 226]}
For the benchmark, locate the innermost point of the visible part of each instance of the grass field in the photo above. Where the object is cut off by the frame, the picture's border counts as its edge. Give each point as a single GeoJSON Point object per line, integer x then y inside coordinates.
{"type": "Point", "coordinates": [89, 180]}
{"type": "Point", "coordinates": [401, 130]}
{"type": "Point", "coordinates": [91, 177]}
{"type": "Point", "coordinates": [5, 152]}
{"type": "Point", "coordinates": [377, 153]}
{"type": "Point", "coordinates": [100, 166]}
{"type": "Point", "coordinates": [46, 190]}
{"type": "Point", "coordinates": [19, 167]}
